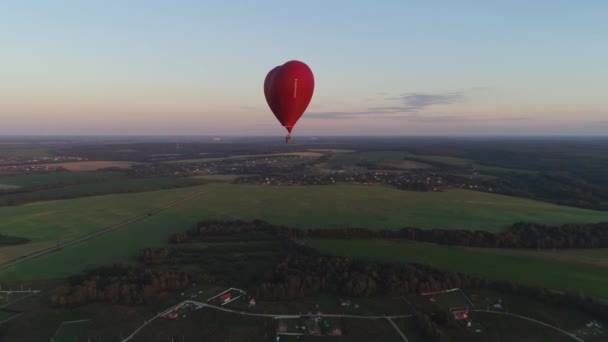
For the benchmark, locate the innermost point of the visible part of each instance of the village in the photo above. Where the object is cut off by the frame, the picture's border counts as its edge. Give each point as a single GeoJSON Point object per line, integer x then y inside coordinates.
{"type": "Point", "coordinates": [314, 322]}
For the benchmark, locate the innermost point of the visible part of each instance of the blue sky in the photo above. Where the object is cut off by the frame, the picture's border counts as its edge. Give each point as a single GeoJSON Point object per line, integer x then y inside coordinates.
{"type": "Point", "coordinates": [381, 67]}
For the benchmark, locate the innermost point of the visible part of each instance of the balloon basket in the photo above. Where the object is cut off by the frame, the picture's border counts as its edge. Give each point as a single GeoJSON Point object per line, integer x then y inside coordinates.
{"type": "Point", "coordinates": [288, 139]}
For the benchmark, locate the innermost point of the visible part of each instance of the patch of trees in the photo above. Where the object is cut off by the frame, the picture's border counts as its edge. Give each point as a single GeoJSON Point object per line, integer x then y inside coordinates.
{"type": "Point", "coordinates": [121, 284]}
{"type": "Point", "coordinates": [305, 273]}
{"type": "Point", "coordinates": [6, 240]}
{"type": "Point", "coordinates": [519, 235]}
{"type": "Point", "coordinates": [558, 187]}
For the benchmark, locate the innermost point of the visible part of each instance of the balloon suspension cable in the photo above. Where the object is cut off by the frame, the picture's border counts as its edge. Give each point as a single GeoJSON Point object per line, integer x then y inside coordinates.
{"type": "Point", "coordinates": [288, 139]}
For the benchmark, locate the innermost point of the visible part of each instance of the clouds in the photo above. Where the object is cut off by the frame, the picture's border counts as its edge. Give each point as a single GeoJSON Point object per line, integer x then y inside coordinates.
{"type": "Point", "coordinates": [410, 103]}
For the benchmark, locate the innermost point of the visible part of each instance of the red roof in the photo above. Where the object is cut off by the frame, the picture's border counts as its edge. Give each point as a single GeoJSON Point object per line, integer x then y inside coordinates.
{"type": "Point", "coordinates": [226, 296]}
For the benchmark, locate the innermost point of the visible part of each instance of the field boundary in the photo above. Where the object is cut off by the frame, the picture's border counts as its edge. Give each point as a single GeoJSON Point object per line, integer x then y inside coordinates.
{"type": "Point", "coordinates": [531, 320]}
{"type": "Point", "coordinates": [30, 293]}
{"type": "Point", "coordinates": [66, 322]}
{"type": "Point", "coordinates": [108, 229]}
{"type": "Point", "coordinates": [244, 313]}
{"type": "Point", "coordinates": [17, 314]}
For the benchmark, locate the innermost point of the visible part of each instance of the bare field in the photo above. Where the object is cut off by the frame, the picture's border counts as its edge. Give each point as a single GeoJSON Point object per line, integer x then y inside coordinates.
{"type": "Point", "coordinates": [93, 165]}
{"type": "Point", "coordinates": [408, 165]}
{"type": "Point", "coordinates": [218, 178]}
{"type": "Point", "coordinates": [8, 187]}
{"type": "Point", "coordinates": [333, 150]}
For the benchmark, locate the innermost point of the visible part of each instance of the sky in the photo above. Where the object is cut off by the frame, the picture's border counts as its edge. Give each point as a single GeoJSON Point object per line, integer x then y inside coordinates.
{"type": "Point", "coordinates": [467, 68]}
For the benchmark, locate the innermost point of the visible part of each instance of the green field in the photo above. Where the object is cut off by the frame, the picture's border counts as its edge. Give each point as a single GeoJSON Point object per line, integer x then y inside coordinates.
{"type": "Point", "coordinates": [462, 162]}
{"type": "Point", "coordinates": [4, 315]}
{"type": "Point", "coordinates": [70, 331]}
{"type": "Point", "coordinates": [521, 269]}
{"type": "Point", "coordinates": [353, 158]}
{"type": "Point", "coordinates": [24, 152]}
{"type": "Point", "coordinates": [298, 206]}
{"type": "Point", "coordinates": [59, 177]}
{"type": "Point", "coordinates": [113, 186]}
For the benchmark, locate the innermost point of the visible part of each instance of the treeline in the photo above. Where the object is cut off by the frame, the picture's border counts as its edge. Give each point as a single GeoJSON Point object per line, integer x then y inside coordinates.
{"type": "Point", "coordinates": [519, 235]}
{"type": "Point", "coordinates": [121, 284]}
{"type": "Point", "coordinates": [562, 188]}
{"type": "Point", "coordinates": [305, 273]}
{"type": "Point", "coordinates": [6, 240]}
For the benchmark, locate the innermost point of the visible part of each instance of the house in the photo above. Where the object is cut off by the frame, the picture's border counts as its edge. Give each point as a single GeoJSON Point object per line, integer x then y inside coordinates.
{"type": "Point", "coordinates": [460, 313]}
{"type": "Point", "coordinates": [336, 332]}
{"type": "Point", "coordinates": [226, 297]}
{"type": "Point", "coordinates": [345, 303]}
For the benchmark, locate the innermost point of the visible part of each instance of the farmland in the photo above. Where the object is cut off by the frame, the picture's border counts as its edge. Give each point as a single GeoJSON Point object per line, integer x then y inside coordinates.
{"type": "Point", "coordinates": [58, 178]}
{"type": "Point", "coordinates": [526, 269]}
{"type": "Point", "coordinates": [93, 165]}
{"type": "Point", "coordinates": [376, 156]}
{"type": "Point", "coordinates": [120, 185]}
{"type": "Point", "coordinates": [297, 206]}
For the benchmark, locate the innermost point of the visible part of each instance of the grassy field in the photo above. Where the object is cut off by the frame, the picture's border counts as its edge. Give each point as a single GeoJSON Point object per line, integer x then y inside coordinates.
{"type": "Point", "coordinates": [4, 315]}
{"type": "Point", "coordinates": [406, 165]}
{"type": "Point", "coordinates": [58, 177]}
{"type": "Point", "coordinates": [217, 178]}
{"type": "Point", "coordinates": [518, 268]}
{"type": "Point", "coordinates": [298, 206]}
{"type": "Point", "coordinates": [47, 223]}
{"type": "Point", "coordinates": [23, 152]}
{"type": "Point", "coordinates": [445, 160]}
{"type": "Point", "coordinates": [462, 162]}
{"type": "Point", "coordinates": [109, 187]}
{"type": "Point", "coordinates": [93, 165]}
{"type": "Point", "coordinates": [242, 156]}
{"type": "Point", "coordinates": [8, 187]}
{"type": "Point", "coordinates": [70, 331]}
{"type": "Point", "coordinates": [376, 156]}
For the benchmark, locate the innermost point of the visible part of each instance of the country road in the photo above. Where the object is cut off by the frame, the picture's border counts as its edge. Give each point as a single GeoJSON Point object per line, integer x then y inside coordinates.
{"type": "Point", "coordinates": [97, 233]}
{"type": "Point", "coordinates": [244, 313]}
{"type": "Point", "coordinates": [532, 320]}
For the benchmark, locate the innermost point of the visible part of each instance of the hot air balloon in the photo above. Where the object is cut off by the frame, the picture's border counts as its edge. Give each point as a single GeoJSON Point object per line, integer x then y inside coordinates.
{"type": "Point", "coordinates": [288, 89]}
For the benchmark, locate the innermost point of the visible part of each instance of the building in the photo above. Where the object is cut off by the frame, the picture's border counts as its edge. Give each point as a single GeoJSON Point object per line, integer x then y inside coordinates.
{"type": "Point", "coordinates": [460, 313]}
{"type": "Point", "coordinates": [226, 297]}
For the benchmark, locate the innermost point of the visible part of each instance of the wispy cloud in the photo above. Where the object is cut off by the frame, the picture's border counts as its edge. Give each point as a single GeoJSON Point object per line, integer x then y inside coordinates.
{"type": "Point", "coordinates": [410, 103]}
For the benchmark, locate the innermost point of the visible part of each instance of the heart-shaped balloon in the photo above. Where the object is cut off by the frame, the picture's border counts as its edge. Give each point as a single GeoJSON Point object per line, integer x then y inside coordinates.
{"type": "Point", "coordinates": [288, 89]}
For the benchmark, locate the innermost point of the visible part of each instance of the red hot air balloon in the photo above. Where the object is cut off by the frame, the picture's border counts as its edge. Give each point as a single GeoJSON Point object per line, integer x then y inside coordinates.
{"type": "Point", "coordinates": [288, 89]}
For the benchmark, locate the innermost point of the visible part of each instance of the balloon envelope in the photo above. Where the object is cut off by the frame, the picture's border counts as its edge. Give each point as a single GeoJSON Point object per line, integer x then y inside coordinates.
{"type": "Point", "coordinates": [288, 89]}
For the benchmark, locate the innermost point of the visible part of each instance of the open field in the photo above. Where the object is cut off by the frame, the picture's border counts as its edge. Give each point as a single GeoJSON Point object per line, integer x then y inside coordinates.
{"type": "Point", "coordinates": [124, 185]}
{"type": "Point", "coordinates": [58, 178]}
{"type": "Point", "coordinates": [218, 178]}
{"type": "Point", "coordinates": [47, 223]}
{"type": "Point", "coordinates": [71, 331]}
{"type": "Point", "coordinates": [523, 269]}
{"type": "Point", "coordinates": [452, 161]}
{"type": "Point", "coordinates": [407, 165]}
{"type": "Point", "coordinates": [353, 158]}
{"type": "Point", "coordinates": [332, 150]}
{"type": "Point", "coordinates": [25, 152]}
{"type": "Point", "coordinates": [93, 165]}
{"type": "Point", "coordinates": [363, 206]}
{"type": "Point", "coordinates": [242, 156]}
{"type": "Point", "coordinates": [462, 162]}
{"type": "Point", "coordinates": [4, 315]}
